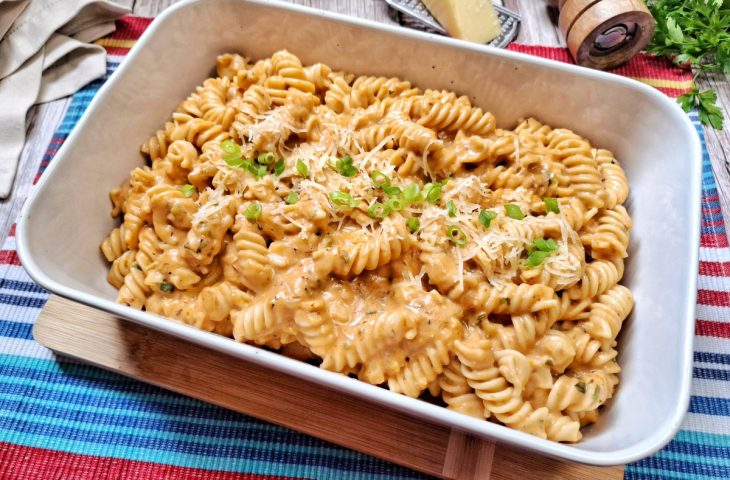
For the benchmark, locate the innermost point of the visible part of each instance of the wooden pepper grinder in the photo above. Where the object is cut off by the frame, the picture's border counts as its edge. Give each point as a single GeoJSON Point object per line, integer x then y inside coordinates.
{"type": "Point", "coordinates": [604, 34]}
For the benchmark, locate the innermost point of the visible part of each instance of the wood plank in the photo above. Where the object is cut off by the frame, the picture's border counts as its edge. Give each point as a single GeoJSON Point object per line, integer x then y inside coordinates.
{"type": "Point", "coordinates": [718, 141]}
{"type": "Point", "coordinates": [41, 124]}
{"type": "Point", "coordinates": [135, 351]}
{"type": "Point", "coordinates": [539, 23]}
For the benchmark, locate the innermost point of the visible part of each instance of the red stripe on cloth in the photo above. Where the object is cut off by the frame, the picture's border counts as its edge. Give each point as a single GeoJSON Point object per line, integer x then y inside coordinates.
{"type": "Point", "coordinates": [707, 328]}
{"type": "Point", "coordinates": [9, 257]}
{"type": "Point", "coordinates": [717, 240]}
{"type": "Point", "coordinates": [715, 269]}
{"type": "Point", "coordinates": [130, 28]}
{"type": "Point", "coordinates": [714, 298]}
{"type": "Point", "coordinates": [12, 231]}
{"type": "Point", "coordinates": [28, 463]}
{"type": "Point", "coordinates": [117, 51]}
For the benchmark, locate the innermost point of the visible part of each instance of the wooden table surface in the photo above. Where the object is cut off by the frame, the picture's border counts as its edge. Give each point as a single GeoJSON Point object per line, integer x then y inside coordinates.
{"type": "Point", "coordinates": [538, 28]}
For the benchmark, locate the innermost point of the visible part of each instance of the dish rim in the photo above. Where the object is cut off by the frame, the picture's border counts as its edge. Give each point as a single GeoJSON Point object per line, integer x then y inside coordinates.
{"type": "Point", "coordinates": [405, 404]}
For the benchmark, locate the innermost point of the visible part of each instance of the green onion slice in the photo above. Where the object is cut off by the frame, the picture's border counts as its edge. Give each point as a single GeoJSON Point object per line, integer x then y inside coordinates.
{"type": "Point", "coordinates": [551, 204]}
{"type": "Point", "coordinates": [451, 208]}
{"type": "Point", "coordinates": [292, 198]}
{"type": "Point", "coordinates": [188, 190]}
{"type": "Point", "coordinates": [486, 217]}
{"type": "Point", "coordinates": [253, 211]}
{"type": "Point", "coordinates": [378, 210]}
{"type": "Point", "coordinates": [396, 204]}
{"type": "Point", "coordinates": [279, 167]}
{"type": "Point", "coordinates": [412, 193]}
{"type": "Point", "coordinates": [513, 211]}
{"type": "Point", "coordinates": [166, 287]}
{"type": "Point", "coordinates": [432, 192]}
{"type": "Point", "coordinates": [536, 258]}
{"type": "Point", "coordinates": [342, 199]}
{"type": "Point", "coordinates": [230, 148]}
{"type": "Point", "coordinates": [380, 179]}
{"type": "Point", "coordinates": [456, 235]}
{"type": "Point", "coordinates": [413, 224]}
{"type": "Point", "coordinates": [302, 169]}
{"type": "Point", "coordinates": [266, 158]}
{"type": "Point", "coordinates": [392, 191]}
{"type": "Point", "coordinates": [234, 160]}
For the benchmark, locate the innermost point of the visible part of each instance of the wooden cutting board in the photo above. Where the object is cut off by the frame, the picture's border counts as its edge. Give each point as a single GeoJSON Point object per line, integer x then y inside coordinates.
{"type": "Point", "coordinates": [99, 338]}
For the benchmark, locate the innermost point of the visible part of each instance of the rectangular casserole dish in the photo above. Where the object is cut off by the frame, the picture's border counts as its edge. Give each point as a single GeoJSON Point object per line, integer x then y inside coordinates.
{"type": "Point", "coordinates": [68, 215]}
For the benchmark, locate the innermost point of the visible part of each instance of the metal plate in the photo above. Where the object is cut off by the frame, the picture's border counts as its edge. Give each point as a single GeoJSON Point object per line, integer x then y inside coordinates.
{"type": "Point", "coordinates": [416, 15]}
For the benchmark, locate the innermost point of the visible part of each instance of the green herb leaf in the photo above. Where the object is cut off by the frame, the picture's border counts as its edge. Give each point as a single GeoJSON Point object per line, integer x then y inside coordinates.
{"type": "Point", "coordinates": [188, 190]}
{"type": "Point", "coordinates": [486, 217]}
{"type": "Point", "coordinates": [302, 169]}
{"type": "Point", "coordinates": [551, 204]}
{"type": "Point", "coordinates": [581, 387]}
{"type": "Point", "coordinates": [391, 190]}
{"type": "Point", "coordinates": [414, 224]}
{"type": "Point", "coordinates": [292, 198]}
{"type": "Point", "coordinates": [513, 211]}
{"type": "Point", "coordinates": [166, 287]}
{"type": "Point", "coordinates": [451, 208]}
{"type": "Point", "coordinates": [694, 34]}
{"type": "Point", "coordinates": [253, 211]}
{"type": "Point", "coordinates": [456, 235]}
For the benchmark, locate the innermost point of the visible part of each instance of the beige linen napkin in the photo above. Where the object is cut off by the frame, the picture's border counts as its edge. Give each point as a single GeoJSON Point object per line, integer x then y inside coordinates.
{"type": "Point", "coordinates": [44, 55]}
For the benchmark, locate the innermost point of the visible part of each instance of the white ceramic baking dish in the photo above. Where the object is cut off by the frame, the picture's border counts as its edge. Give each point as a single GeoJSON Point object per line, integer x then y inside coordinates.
{"type": "Point", "coordinates": [68, 215]}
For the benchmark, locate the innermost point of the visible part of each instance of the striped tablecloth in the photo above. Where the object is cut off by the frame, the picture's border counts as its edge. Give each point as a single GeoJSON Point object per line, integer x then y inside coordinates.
{"type": "Point", "coordinates": [64, 420]}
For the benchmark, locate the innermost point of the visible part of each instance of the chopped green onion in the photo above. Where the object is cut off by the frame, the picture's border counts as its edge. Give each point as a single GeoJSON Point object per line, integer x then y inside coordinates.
{"type": "Point", "coordinates": [380, 179]}
{"type": "Point", "coordinates": [266, 158]}
{"type": "Point", "coordinates": [451, 208]}
{"type": "Point", "coordinates": [234, 160]}
{"type": "Point", "coordinates": [432, 192]}
{"type": "Point", "coordinates": [258, 171]}
{"type": "Point", "coordinates": [231, 148]}
{"type": "Point", "coordinates": [378, 210]}
{"type": "Point", "coordinates": [302, 169]}
{"type": "Point", "coordinates": [413, 224]}
{"type": "Point", "coordinates": [513, 211]}
{"type": "Point", "coordinates": [343, 199]}
{"type": "Point", "coordinates": [292, 198]}
{"type": "Point", "coordinates": [253, 211]}
{"type": "Point", "coordinates": [486, 217]}
{"type": "Point", "coordinates": [581, 387]}
{"type": "Point", "coordinates": [166, 287]}
{"type": "Point", "coordinates": [456, 235]}
{"type": "Point", "coordinates": [543, 245]}
{"type": "Point", "coordinates": [412, 193]}
{"type": "Point", "coordinates": [345, 167]}
{"type": "Point", "coordinates": [390, 190]}
{"type": "Point", "coordinates": [551, 204]}
{"type": "Point", "coordinates": [536, 258]}
{"type": "Point", "coordinates": [396, 204]}
{"type": "Point", "coordinates": [188, 190]}
{"type": "Point", "coordinates": [279, 167]}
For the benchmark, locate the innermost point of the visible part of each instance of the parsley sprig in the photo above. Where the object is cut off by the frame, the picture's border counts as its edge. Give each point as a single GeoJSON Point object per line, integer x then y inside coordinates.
{"type": "Point", "coordinates": [694, 34]}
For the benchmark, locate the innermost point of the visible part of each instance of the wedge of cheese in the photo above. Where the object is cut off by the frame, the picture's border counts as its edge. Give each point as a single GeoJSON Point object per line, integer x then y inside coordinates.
{"type": "Point", "coordinates": [473, 20]}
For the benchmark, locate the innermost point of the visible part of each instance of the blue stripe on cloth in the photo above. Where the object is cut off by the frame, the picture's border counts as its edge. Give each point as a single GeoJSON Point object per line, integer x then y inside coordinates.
{"type": "Point", "coordinates": [711, 374]}
{"type": "Point", "coordinates": [19, 301]}
{"type": "Point", "coordinates": [708, 357]}
{"type": "Point", "coordinates": [19, 286]}
{"type": "Point", "coordinates": [12, 329]}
